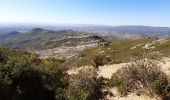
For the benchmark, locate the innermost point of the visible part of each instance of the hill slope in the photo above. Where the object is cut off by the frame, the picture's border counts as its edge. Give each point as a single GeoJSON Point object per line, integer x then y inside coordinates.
{"type": "Point", "coordinates": [121, 51]}
{"type": "Point", "coordinates": [51, 43]}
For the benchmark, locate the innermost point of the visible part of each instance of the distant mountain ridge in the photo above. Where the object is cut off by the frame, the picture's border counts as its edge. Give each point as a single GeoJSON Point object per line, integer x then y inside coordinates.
{"type": "Point", "coordinates": [146, 31]}
{"type": "Point", "coordinates": [11, 34]}
{"type": "Point", "coordinates": [126, 29]}
{"type": "Point", "coordinates": [110, 33]}
{"type": "Point", "coordinates": [39, 38]}
{"type": "Point", "coordinates": [71, 40]}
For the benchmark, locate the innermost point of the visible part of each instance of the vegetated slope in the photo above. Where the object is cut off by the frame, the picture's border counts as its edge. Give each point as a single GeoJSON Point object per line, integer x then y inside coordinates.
{"type": "Point", "coordinates": [107, 71]}
{"type": "Point", "coordinates": [64, 43]}
{"type": "Point", "coordinates": [121, 51]}
{"type": "Point", "coordinates": [23, 76]}
{"type": "Point", "coordinates": [34, 39]}
{"type": "Point", "coordinates": [11, 34]}
{"type": "Point", "coordinates": [67, 43]}
{"type": "Point", "coordinates": [32, 78]}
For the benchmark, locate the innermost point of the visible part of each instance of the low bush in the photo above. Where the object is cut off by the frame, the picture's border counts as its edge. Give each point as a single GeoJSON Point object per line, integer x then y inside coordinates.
{"type": "Point", "coordinates": [98, 60]}
{"type": "Point", "coordinates": [142, 74]}
{"type": "Point", "coordinates": [23, 76]}
{"type": "Point", "coordinates": [84, 86]}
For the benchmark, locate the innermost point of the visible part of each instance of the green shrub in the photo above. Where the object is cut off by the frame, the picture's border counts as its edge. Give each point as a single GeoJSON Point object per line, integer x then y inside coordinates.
{"type": "Point", "coordinates": [161, 85]}
{"type": "Point", "coordinates": [23, 76]}
{"type": "Point", "coordinates": [141, 74]}
{"type": "Point", "coordinates": [98, 60]}
{"type": "Point", "coordinates": [84, 86]}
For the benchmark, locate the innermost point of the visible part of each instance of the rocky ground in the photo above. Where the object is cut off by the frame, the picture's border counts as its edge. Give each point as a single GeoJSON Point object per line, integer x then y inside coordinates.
{"type": "Point", "coordinates": [64, 51]}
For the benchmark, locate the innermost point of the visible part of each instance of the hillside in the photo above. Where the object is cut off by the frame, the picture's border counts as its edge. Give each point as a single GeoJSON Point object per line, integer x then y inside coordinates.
{"type": "Point", "coordinates": [110, 32]}
{"type": "Point", "coordinates": [61, 43]}
{"type": "Point", "coordinates": [23, 76]}
{"type": "Point", "coordinates": [23, 73]}
{"type": "Point", "coordinates": [31, 39]}
{"type": "Point", "coordinates": [107, 71]}
{"type": "Point", "coordinates": [121, 51]}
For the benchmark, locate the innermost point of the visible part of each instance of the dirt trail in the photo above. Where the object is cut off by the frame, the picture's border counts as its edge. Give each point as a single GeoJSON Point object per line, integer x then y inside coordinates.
{"type": "Point", "coordinates": [165, 65]}
{"type": "Point", "coordinates": [107, 70]}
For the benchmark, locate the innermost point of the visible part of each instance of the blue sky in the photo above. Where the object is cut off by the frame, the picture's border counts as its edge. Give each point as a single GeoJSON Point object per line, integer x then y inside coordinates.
{"type": "Point", "coordinates": [101, 12]}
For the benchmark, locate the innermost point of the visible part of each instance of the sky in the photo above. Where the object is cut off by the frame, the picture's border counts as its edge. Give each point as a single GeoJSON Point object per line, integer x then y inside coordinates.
{"type": "Point", "coordinates": [99, 12]}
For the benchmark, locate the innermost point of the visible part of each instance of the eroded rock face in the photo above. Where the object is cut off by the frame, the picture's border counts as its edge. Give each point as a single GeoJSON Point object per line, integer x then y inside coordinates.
{"type": "Point", "coordinates": [69, 45]}
{"type": "Point", "coordinates": [64, 51]}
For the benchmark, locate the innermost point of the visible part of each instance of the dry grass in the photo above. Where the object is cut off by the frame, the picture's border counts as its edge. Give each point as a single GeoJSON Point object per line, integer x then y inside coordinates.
{"type": "Point", "coordinates": [121, 52]}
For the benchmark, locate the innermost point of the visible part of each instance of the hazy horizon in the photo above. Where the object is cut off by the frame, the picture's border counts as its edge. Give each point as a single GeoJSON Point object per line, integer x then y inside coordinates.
{"type": "Point", "coordinates": [86, 12]}
{"type": "Point", "coordinates": [69, 24]}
